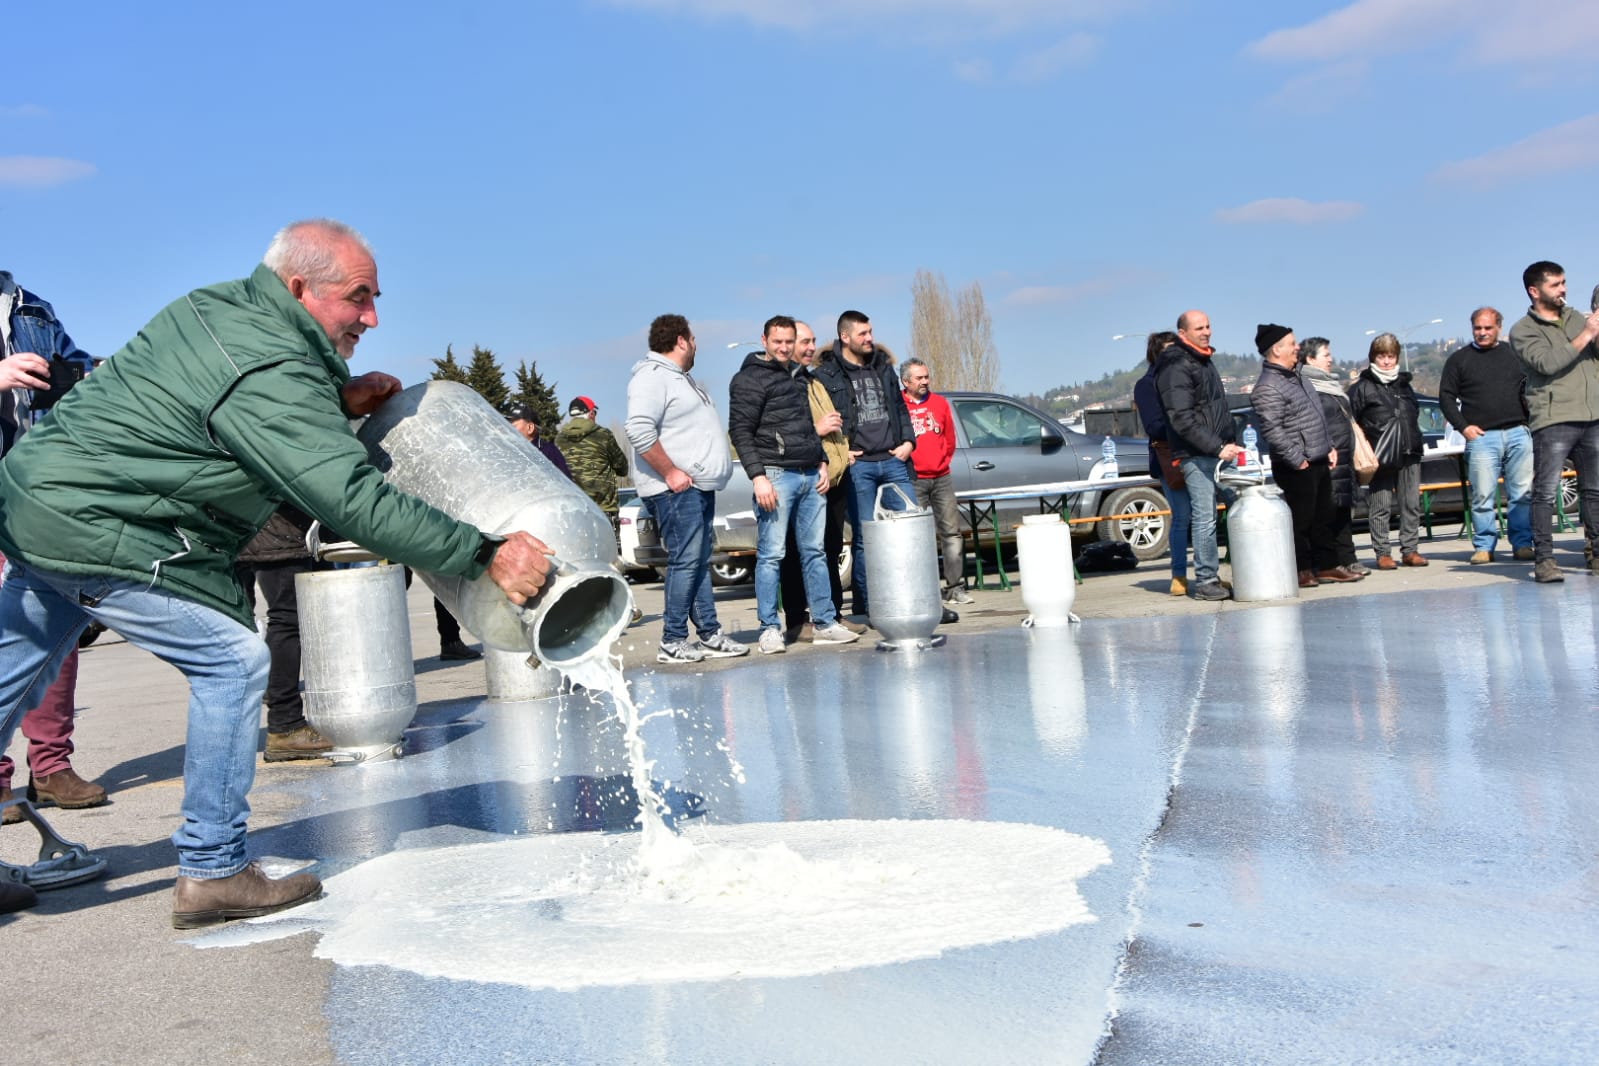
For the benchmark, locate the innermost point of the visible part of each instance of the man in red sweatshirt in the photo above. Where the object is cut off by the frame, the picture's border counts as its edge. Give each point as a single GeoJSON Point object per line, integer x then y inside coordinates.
{"type": "Point", "coordinates": [934, 423]}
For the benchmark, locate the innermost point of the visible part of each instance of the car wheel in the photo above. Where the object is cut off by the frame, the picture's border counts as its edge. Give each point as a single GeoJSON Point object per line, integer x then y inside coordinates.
{"type": "Point", "coordinates": [1571, 495]}
{"type": "Point", "coordinates": [846, 566]}
{"type": "Point", "coordinates": [1148, 531]}
{"type": "Point", "coordinates": [732, 572]}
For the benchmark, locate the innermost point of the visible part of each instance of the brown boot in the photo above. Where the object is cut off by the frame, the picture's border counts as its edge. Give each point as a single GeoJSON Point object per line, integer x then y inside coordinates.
{"type": "Point", "coordinates": [1307, 580]}
{"type": "Point", "coordinates": [1415, 559]}
{"type": "Point", "coordinates": [65, 788]}
{"type": "Point", "coordinates": [1386, 562]}
{"type": "Point", "coordinates": [247, 894]}
{"type": "Point", "coordinates": [11, 816]}
{"type": "Point", "coordinates": [302, 743]}
{"type": "Point", "coordinates": [1336, 573]}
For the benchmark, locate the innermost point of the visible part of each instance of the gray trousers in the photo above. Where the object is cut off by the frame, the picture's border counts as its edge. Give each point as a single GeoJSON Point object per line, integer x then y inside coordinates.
{"type": "Point", "coordinates": [938, 493]}
{"type": "Point", "coordinates": [1391, 488]}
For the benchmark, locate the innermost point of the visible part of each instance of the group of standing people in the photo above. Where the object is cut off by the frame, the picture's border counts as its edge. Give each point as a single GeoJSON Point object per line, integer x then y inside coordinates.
{"type": "Point", "coordinates": [820, 434]}
{"type": "Point", "coordinates": [1524, 408]}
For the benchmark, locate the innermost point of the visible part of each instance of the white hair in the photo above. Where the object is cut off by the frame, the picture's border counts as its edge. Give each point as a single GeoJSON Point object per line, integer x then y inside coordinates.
{"type": "Point", "coordinates": [308, 249]}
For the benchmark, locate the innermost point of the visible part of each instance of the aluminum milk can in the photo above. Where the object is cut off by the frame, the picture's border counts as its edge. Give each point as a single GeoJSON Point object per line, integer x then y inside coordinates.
{"type": "Point", "coordinates": [442, 442]}
{"type": "Point", "coordinates": [902, 572]}
{"type": "Point", "coordinates": [1260, 545]}
{"type": "Point", "coordinates": [360, 681]}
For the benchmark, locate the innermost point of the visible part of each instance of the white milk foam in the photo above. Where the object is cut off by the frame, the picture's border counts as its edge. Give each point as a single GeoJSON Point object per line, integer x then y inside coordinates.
{"type": "Point", "coordinates": [768, 900]}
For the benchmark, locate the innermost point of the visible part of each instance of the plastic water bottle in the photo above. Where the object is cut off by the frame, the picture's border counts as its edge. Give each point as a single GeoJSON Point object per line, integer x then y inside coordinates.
{"type": "Point", "coordinates": [1251, 456]}
{"type": "Point", "coordinates": [1107, 465]}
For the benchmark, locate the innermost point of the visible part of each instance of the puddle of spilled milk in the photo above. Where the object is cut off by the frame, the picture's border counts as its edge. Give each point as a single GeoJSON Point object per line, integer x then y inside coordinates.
{"type": "Point", "coordinates": [766, 900]}
{"type": "Point", "coordinates": [717, 902]}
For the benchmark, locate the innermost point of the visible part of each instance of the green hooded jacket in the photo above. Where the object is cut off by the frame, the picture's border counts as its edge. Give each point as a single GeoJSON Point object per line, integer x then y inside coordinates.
{"type": "Point", "coordinates": [165, 461]}
{"type": "Point", "coordinates": [595, 459]}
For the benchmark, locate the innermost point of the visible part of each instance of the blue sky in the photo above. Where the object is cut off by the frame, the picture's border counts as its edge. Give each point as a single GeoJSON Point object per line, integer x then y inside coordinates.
{"type": "Point", "coordinates": [543, 179]}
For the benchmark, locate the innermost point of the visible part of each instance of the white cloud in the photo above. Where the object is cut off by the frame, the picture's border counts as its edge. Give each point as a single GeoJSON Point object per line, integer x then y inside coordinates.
{"type": "Point", "coordinates": [1572, 145]}
{"type": "Point", "coordinates": [976, 71]}
{"type": "Point", "coordinates": [41, 171]}
{"type": "Point", "coordinates": [1054, 295]}
{"type": "Point", "coordinates": [1289, 210]}
{"type": "Point", "coordinates": [1495, 32]}
{"type": "Point", "coordinates": [1323, 88]}
{"type": "Point", "coordinates": [1077, 50]}
{"type": "Point", "coordinates": [23, 111]}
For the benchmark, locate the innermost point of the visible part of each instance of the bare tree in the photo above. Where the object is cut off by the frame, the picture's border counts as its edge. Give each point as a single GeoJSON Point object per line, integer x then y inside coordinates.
{"type": "Point", "coordinates": [954, 337]}
{"type": "Point", "coordinates": [933, 326]}
{"type": "Point", "coordinates": [974, 332]}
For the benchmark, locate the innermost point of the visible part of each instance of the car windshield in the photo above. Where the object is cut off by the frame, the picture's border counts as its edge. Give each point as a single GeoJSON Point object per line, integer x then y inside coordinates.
{"type": "Point", "coordinates": [995, 424]}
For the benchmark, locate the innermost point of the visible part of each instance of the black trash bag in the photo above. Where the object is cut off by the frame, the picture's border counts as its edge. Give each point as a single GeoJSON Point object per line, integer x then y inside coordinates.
{"type": "Point", "coordinates": [1105, 556]}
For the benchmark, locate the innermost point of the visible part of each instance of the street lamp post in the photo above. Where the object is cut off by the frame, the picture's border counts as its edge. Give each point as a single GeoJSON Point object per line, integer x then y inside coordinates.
{"type": "Point", "coordinates": [1404, 336]}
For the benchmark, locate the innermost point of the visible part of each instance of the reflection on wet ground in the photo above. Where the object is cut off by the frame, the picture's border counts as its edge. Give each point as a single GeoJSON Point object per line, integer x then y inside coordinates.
{"type": "Point", "coordinates": [1357, 830]}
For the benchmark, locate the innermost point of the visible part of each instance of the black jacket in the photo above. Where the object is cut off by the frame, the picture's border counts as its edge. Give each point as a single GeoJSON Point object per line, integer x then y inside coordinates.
{"type": "Point", "coordinates": [769, 416]}
{"type": "Point", "coordinates": [1290, 417]}
{"type": "Point", "coordinates": [829, 367]}
{"type": "Point", "coordinates": [1197, 417]}
{"type": "Point", "coordinates": [1335, 409]}
{"type": "Point", "coordinates": [1375, 405]}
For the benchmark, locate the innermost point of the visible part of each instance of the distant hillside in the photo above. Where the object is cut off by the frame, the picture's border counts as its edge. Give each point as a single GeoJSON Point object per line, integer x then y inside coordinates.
{"type": "Point", "coordinates": [1238, 373]}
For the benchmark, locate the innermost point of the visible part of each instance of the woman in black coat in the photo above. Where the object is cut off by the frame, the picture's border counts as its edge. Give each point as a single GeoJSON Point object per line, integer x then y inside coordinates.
{"type": "Point", "coordinates": [1316, 354]}
{"type": "Point", "coordinates": [1380, 396]}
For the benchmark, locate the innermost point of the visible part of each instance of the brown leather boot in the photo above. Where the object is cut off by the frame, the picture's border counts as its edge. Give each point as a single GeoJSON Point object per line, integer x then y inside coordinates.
{"type": "Point", "coordinates": [247, 894]}
{"type": "Point", "coordinates": [11, 816]}
{"type": "Point", "coordinates": [1415, 559]}
{"type": "Point", "coordinates": [65, 788]}
{"type": "Point", "coordinates": [1386, 562]}
{"type": "Point", "coordinates": [302, 743]}
{"type": "Point", "coordinates": [1307, 580]}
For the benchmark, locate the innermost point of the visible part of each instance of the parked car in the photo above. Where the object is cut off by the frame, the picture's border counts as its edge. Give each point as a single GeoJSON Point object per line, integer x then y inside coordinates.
{"type": "Point", "coordinates": [1000, 442]}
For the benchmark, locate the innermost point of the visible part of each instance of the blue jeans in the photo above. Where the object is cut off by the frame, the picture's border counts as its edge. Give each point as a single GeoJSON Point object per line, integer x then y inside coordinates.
{"type": "Point", "coordinates": [41, 614]}
{"type": "Point", "coordinates": [1500, 453]}
{"type": "Point", "coordinates": [797, 502]}
{"type": "Point", "coordinates": [1178, 503]}
{"type": "Point", "coordinates": [684, 522]}
{"type": "Point", "coordinates": [1551, 447]}
{"type": "Point", "coordinates": [865, 475]}
{"type": "Point", "coordinates": [1200, 474]}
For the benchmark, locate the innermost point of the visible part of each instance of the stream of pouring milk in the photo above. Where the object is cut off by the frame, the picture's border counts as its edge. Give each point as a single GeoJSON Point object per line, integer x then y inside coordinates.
{"type": "Point", "coordinates": [787, 899]}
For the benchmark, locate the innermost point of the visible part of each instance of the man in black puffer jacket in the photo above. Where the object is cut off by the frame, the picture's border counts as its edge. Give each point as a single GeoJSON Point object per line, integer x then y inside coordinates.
{"type": "Point", "coordinates": [1302, 455]}
{"type": "Point", "coordinates": [769, 420]}
{"type": "Point", "coordinates": [1200, 431]}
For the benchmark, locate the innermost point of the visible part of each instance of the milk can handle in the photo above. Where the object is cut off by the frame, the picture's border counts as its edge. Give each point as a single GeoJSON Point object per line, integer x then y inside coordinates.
{"type": "Point", "coordinates": [910, 504]}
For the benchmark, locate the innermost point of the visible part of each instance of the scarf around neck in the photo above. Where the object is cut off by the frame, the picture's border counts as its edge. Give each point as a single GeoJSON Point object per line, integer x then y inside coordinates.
{"type": "Point", "coordinates": [1321, 380]}
{"type": "Point", "coordinates": [1387, 377]}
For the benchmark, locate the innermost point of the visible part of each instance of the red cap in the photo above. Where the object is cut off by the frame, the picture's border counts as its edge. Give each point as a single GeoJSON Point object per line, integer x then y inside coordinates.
{"type": "Point", "coordinates": [582, 403]}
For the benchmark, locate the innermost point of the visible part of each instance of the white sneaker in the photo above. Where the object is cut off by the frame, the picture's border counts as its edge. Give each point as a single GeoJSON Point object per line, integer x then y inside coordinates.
{"type": "Point", "coordinates": [720, 646]}
{"type": "Point", "coordinates": [678, 651]}
{"type": "Point", "coordinates": [835, 634]}
{"type": "Point", "coordinates": [772, 642]}
{"type": "Point", "coordinates": [957, 595]}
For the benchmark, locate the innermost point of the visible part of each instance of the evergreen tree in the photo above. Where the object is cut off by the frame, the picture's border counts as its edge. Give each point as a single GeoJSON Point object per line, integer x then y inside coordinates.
{"type": "Point", "coordinates": [531, 390]}
{"type": "Point", "coordinates": [485, 376]}
{"type": "Point", "coordinates": [447, 369]}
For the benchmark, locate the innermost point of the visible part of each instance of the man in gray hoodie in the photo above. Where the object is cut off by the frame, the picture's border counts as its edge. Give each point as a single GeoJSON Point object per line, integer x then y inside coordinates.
{"type": "Point", "coordinates": [680, 461]}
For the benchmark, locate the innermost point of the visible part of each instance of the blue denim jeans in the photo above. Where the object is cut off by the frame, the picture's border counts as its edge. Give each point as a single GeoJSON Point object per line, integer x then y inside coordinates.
{"type": "Point", "coordinates": [1500, 453]}
{"type": "Point", "coordinates": [1203, 493]}
{"type": "Point", "coordinates": [1178, 503]}
{"type": "Point", "coordinates": [684, 522]}
{"type": "Point", "coordinates": [1551, 447]}
{"type": "Point", "coordinates": [41, 614]}
{"type": "Point", "coordinates": [797, 502]}
{"type": "Point", "coordinates": [864, 478]}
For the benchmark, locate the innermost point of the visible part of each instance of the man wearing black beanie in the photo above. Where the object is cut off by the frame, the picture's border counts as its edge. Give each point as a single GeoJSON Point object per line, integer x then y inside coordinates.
{"type": "Point", "coordinates": [1302, 455]}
